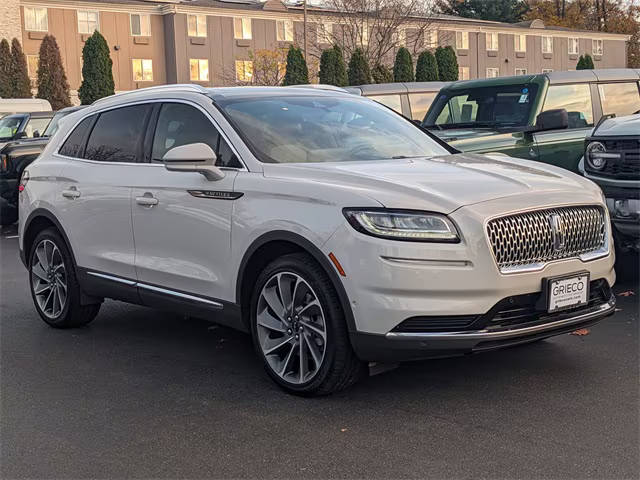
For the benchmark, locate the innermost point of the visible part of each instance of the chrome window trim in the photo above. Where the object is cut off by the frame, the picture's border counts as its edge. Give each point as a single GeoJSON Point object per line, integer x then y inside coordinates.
{"type": "Point", "coordinates": [220, 130]}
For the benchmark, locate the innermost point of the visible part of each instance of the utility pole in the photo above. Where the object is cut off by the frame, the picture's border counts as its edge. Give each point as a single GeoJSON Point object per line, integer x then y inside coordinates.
{"type": "Point", "coordinates": [305, 28]}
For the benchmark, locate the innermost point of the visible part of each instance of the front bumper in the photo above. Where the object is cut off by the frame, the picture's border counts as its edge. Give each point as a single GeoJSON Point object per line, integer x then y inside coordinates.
{"type": "Point", "coordinates": [407, 346]}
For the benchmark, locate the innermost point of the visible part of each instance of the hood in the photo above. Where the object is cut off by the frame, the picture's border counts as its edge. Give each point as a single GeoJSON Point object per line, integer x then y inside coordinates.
{"type": "Point", "coordinates": [441, 184]}
{"type": "Point", "coordinates": [621, 126]}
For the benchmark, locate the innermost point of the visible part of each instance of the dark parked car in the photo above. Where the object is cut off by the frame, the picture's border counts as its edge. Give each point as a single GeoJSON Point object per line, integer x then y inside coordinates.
{"type": "Point", "coordinates": [23, 125]}
{"type": "Point", "coordinates": [37, 128]}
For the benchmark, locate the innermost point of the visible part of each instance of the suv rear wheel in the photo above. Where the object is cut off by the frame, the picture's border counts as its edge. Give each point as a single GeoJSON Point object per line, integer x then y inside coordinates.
{"type": "Point", "coordinates": [54, 287]}
{"type": "Point", "coordinates": [299, 330]}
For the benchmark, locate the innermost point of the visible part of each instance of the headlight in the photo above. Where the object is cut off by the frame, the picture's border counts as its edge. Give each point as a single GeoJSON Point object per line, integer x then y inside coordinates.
{"type": "Point", "coordinates": [404, 225]}
{"type": "Point", "coordinates": [596, 155]}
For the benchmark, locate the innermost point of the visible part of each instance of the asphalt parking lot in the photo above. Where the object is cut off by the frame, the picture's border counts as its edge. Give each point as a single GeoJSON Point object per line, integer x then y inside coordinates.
{"type": "Point", "coordinates": [144, 393]}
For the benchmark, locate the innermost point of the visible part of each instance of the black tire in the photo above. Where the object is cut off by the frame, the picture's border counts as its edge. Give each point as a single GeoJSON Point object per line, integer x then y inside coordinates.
{"type": "Point", "coordinates": [340, 367]}
{"type": "Point", "coordinates": [72, 313]}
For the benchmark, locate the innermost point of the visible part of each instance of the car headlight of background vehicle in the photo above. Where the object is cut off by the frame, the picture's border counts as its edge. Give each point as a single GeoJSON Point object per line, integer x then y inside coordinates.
{"type": "Point", "coordinates": [407, 225]}
{"type": "Point", "coordinates": [596, 155]}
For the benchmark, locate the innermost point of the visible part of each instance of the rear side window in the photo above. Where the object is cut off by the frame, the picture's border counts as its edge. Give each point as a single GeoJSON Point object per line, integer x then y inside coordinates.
{"type": "Point", "coordinates": [391, 101]}
{"type": "Point", "coordinates": [74, 145]}
{"type": "Point", "coordinates": [619, 98]}
{"type": "Point", "coordinates": [420, 103]}
{"type": "Point", "coordinates": [117, 135]}
{"type": "Point", "coordinates": [36, 125]}
{"type": "Point", "coordinates": [575, 99]}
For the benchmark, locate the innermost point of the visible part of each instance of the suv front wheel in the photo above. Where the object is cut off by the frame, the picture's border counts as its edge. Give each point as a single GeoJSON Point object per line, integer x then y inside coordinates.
{"type": "Point", "coordinates": [299, 329]}
{"type": "Point", "coordinates": [54, 287]}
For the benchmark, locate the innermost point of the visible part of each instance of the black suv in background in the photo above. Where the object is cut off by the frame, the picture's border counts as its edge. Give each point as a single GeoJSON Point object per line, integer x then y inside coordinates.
{"type": "Point", "coordinates": [16, 155]}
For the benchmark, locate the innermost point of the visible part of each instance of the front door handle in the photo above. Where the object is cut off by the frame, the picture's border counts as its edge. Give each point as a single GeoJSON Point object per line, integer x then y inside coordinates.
{"type": "Point", "coordinates": [71, 192]}
{"type": "Point", "coordinates": [147, 200]}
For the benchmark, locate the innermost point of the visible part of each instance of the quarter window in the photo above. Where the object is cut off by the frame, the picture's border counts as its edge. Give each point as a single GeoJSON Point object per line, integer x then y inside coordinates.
{"type": "Point", "coordinates": [574, 44]}
{"type": "Point", "coordinates": [520, 43]}
{"type": "Point", "coordinates": [199, 70]}
{"type": "Point", "coordinates": [197, 25]}
{"type": "Point", "coordinates": [74, 145]}
{"type": "Point", "coordinates": [35, 19]}
{"type": "Point", "coordinates": [462, 40]}
{"type": "Point", "coordinates": [420, 103]}
{"type": "Point", "coordinates": [619, 98]}
{"type": "Point", "coordinates": [242, 28]}
{"type": "Point", "coordinates": [597, 47]}
{"type": "Point", "coordinates": [575, 99]}
{"type": "Point", "coordinates": [140, 25]}
{"type": "Point", "coordinates": [547, 44]}
{"type": "Point", "coordinates": [284, 30]}
{"type": "Point", "coordinates": [117, 135]}
{"type": "Point", "coordinates": [492, 41]}
{"type": "Point", "coordinates": [142, 70]}
{"type": "Point", "coordinates": [391, 101]}
{"type": "Point", "coordinates": [87, 21]}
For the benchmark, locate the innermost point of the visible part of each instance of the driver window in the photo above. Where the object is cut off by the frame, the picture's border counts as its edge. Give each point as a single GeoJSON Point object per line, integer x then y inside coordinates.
{"type": "Point", "coordinates": [575, 99]}
{"type": "Point", "coordinates": [180, 124]}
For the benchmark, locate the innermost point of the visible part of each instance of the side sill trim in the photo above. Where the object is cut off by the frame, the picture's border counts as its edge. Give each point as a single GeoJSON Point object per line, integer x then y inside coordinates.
{"type": "Point", "coordinates": [153, 288]}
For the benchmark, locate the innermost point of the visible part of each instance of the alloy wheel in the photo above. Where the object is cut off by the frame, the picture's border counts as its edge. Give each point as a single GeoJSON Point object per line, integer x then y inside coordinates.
{"type": "Point", "coordinates": [49, 279]}
{"type": "Point", "coordinates": [291, 327]}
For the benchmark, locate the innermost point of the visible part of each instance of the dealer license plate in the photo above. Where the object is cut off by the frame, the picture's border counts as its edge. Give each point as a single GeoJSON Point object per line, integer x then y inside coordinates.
{"type": "Point", "coordinates": [567, 292]}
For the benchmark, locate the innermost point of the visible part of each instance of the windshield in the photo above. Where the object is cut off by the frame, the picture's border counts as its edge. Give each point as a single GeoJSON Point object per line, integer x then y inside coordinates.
{"type": "Point", "coordinates": [301, 129]}
{"type": "Point", "coordinates": [9, 126]}
{"type": "Point", "coordinates": [497, 107]}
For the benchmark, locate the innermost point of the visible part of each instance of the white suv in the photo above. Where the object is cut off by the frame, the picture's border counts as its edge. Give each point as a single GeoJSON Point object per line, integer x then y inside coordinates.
{"type": "Point", "coordinates": [334, 230]}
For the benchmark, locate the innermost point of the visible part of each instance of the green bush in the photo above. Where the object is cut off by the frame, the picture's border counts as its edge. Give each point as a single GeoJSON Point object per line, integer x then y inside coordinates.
{"type": "Point", "coordinates": [447, 64]}
{"type": "Point", "coordinates": [381, 74]}
{"type": "Point", "coordinates": [297, 71]}
{"type": "Point", "coordinates": [427, 68]}
{"type": "Point", "coordinates": [20, 83]}
{"type": "Point", "coordinates": [342, 80]}
{"type": "Point", "coordinates": [6, 89]}
{"type": "Point", "coordinates": [403, 66]}
{"type": "Point", "coordinates": [52, 81]}
{"type": "Point", "coordinates": [327, 73]}
{"type": "Point", "coordinates": [97, 70]}
{"type": "Point", "coordinates": [358, 72]}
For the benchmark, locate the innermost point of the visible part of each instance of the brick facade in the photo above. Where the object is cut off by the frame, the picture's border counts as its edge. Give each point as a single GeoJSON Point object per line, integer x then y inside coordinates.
{"type": "Point", "coordinates": [10, 24]}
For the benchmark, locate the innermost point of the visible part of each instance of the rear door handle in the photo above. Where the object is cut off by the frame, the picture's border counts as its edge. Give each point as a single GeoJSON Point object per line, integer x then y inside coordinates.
{"type": "Point", "coordinates": [147, 200]}
{"type": "Point", "coordinates": [71, 192]}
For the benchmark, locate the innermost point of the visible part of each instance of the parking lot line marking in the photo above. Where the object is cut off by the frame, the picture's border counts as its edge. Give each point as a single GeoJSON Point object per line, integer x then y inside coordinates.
{"type": "Point", "coordinates": [12, 236]}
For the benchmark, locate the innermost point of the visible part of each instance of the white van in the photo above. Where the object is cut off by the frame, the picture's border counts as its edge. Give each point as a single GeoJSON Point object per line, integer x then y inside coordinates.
{"type": "Point", "coordinates": [22, 105]}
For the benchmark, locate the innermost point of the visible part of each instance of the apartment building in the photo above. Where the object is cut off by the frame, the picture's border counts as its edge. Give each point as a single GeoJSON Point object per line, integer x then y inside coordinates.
{"type": "Point", "coordinates": [211, 42]}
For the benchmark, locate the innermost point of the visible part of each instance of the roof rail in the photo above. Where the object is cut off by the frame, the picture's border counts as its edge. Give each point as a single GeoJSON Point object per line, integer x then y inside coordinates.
{"type": "Point", "coordinates": [171, 87]}
{"type": "Point", "coordinates": [321, 86]}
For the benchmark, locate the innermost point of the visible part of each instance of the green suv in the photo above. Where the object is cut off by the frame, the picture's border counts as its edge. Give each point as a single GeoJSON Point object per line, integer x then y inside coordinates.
{"type": "Point", "coordinates": [544, 117]}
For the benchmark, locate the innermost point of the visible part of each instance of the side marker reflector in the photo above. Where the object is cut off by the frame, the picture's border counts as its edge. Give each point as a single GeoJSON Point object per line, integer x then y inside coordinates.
{"type": "Point", "coordinates": [337, 264]}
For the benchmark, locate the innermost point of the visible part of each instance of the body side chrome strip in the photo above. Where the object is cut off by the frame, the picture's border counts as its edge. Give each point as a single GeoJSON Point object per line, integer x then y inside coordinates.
{"type": "Point", "coordinates": [166, 291]}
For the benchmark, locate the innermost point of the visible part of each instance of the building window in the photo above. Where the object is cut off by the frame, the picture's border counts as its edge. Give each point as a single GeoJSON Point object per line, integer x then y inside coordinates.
{"type": "Point", "coordinates": [197, 25]}
{"type": "Point", "coordinates": [493, 72]}
{"type": "Point", "coordinates": [520, 43]}
{"type": "Point", "coordinates": [244, 70]}
{"type": "Point", "coordinates": [547, 70]}
{"type": "Point", "coordinates": [492, 41]}
{"type": "Point", "coordinates": [573, 46]}
{"type": "Point", "coordinates": [198, 70]}
{"type": "Point", "coordinates": [431, 38]}
{"type": "Point", "coordinates": [88, 21]}
{"type": "Point", "coordinates": [547, 44]}
{"type": "Point", "coordinates": [521, 71]}
{"type": "Point", "coordinates": [365, 34]}
{"type": "Point", "coordinates": [242, 28]}
{"type": "Point", "coordinates": [142, 70]}
{"type": "Point", "coordinates": [597, 47]}
{"type": "Point", "coordinates": [325, 33]}
{"type": "Point", "coordinates": [35, 19]}
{"type": "Point", "coordinates": [462, 40]}
{"type": "Point", "coordinates": [32, 66]}
{"type": "Point", "coordinates": [140, 25]}
{"type": "Point", "coordinates": [463, 73]}
{"type": "Point", "coordinates": [399, 37]}
{"type": "Point", "coordinates": [284, 30]}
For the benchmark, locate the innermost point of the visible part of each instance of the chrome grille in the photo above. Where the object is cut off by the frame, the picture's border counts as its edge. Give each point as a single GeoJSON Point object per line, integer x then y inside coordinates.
{"type": "Point", "coordinates": [536, 237]}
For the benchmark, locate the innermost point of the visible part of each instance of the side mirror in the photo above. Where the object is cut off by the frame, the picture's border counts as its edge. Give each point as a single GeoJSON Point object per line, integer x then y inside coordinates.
{"type": "Point", "coordinates": [557, 119]}
{"type": "Point", "coordinates": [194, 157]}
